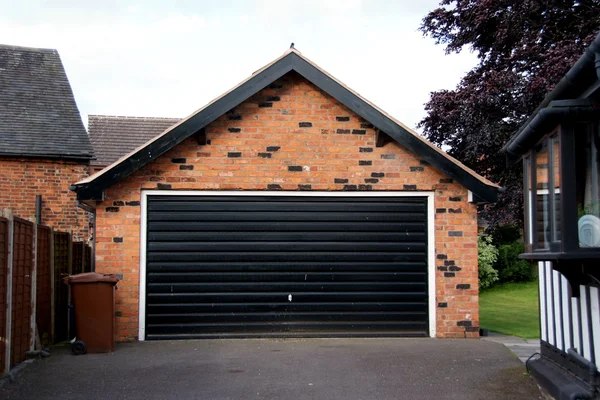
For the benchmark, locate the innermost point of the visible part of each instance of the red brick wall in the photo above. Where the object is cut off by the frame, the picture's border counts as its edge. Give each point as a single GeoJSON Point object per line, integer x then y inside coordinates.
{"type": "Point", "coordinates": [292, 136]}
{"type": "Point", "coordinates": [22, 179]}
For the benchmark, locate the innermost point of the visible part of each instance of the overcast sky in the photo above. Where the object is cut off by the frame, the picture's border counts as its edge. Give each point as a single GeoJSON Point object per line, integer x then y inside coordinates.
{"type": "Point", "coordinates": [169, 58]}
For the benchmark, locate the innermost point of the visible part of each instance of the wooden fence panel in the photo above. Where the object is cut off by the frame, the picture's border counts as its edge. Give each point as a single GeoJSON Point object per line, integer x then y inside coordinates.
{"type": "Point", "coordinates": [82, 258]}
{"type": "Point", "coordinates": [44, 285]}
{"type": "Point", "coordinates": [21, 290]}
{"type": "Point", "coordinates": [3, 288]}
{"type": "Point", "coordinates": [62, 268]}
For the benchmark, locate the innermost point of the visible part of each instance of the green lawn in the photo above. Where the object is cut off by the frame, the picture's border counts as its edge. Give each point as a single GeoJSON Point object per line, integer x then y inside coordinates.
{"type": "Point", "coordinates": [511, 309]}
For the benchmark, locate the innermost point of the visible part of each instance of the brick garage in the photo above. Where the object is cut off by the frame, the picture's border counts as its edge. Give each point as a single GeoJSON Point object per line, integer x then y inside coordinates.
{"type": "Point", "coordinates": [294, 136]}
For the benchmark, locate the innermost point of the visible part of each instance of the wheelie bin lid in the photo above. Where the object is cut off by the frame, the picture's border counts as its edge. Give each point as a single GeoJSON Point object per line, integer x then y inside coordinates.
{"type": "Point", "coordinates": [91, 277]}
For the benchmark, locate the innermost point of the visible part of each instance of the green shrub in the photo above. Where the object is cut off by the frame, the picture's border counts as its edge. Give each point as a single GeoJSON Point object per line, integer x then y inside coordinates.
{"type": "Point", "coordinates": [510, 267]}
{"type": "Point", "coordinates": [488, 254]}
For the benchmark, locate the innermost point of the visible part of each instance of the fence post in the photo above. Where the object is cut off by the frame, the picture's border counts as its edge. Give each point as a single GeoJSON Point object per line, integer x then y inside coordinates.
{"type": "Point", "coordinates": [52, 288]}
{"type": "Point", "coordinates": [34, 286]}
{"type": "Point", "coordinates": [8, 335]}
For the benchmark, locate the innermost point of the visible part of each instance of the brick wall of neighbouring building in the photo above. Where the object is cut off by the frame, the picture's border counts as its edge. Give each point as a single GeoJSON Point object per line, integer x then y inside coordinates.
{"type": "Point", "coordinates": [21, 179]}
{"type": "Point", "coordinates": [292, 136]}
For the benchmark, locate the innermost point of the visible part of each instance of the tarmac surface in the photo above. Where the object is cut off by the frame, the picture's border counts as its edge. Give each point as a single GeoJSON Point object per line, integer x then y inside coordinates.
{"type": "Point", "coordinates": [281, 369]}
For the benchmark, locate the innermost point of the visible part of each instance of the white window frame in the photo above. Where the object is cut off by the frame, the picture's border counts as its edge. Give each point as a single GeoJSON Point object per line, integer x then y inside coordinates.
{"type": "Point", "coordinates": [430, 196]}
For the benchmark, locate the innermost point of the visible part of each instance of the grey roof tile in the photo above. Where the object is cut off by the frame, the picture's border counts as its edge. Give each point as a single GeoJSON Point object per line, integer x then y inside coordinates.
{"type": "Point", "coordinates": [38, 113]}
{"type": "Point", "coordinates": [114, 136]}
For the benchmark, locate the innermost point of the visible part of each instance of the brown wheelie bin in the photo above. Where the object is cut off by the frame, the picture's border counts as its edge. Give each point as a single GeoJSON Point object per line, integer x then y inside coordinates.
{"type": "Point", "coordinates": [93, 298]}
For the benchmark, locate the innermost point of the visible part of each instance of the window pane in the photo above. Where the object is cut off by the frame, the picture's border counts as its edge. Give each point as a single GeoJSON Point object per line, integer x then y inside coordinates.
{"type": "Point", "coordinates": [555, 150]}
{"type": "Point", "coordinates": [588, 205]}
{"type": "Point", "coordinates": [527, 200]}
{"type": "Point", "coordinates": [542, 210]}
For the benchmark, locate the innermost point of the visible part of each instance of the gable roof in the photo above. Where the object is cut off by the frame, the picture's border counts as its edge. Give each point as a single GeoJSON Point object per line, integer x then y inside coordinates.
{"type": "Point", "coordinates": [38, 113]}
{"type": "Point", "coordinates": [92, 187]}
{"type": "Point", "coordinates": [114, 136]}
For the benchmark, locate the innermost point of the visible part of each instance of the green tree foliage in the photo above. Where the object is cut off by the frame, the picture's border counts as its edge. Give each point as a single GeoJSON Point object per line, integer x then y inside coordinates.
{"type": "Point", "coordinates": [488, 254]}
{"type": "Point", "coordinates": [524, 48]}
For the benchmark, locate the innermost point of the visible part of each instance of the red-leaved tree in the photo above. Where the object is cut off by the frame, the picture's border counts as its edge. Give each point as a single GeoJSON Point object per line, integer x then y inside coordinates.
{"type": "Point", "coordinates": [524, 48]}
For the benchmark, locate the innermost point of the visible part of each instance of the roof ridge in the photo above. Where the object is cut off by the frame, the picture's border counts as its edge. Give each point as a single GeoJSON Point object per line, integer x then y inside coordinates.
{"type": "Point", "coordinates": [129, 117]}
{"type": "Point", "coordinates": [24, 48]}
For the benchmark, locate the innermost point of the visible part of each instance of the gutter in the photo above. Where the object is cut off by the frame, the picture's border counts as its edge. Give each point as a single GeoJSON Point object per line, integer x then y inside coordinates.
{"type": "Point", "coordinates": [570, 86]}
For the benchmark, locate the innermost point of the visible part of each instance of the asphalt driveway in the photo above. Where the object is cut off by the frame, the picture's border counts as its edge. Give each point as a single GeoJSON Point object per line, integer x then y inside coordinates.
{"type": "Point", "coordinates": [281, 369]}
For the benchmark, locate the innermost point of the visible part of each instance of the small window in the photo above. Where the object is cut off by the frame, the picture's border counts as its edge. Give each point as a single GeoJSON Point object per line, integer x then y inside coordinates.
{"type": "Point", "coordinates": [587, 145]}
{"type": "Point", "coordinates": [555, 174]}
{"type": "Point", "coordinates": [527, 201]}
{"type": "Point", "coordinates": [542, 200]}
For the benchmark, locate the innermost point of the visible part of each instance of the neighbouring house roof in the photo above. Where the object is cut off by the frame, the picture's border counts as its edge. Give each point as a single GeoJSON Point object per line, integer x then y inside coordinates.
{"type": "Point", "coordinates": [114, 136]}
{"type": "Point", "coordinates": [92, 188]}
{"type": "Point", "coordinates": [38, 113]}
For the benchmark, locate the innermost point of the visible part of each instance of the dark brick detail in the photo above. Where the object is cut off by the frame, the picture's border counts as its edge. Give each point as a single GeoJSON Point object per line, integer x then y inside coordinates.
{"type": "Point", "coordinates": [463, 286]}
{"type": "Point", "coordinates": [388, 156]}
{"type": "Point", "coordinates": [118, 203]}
{"type": "Point", "coordinates": [340, 180]}
{"type": "Point", "coordinates": [464, 323]}
{"type": "Point", "coordinates": [273, 98]}
{"type": "Point", "coordinates": [112, 209]}
{"type": "Point", "coordinates": [133, 203]}
{"type": "Point", "coordinates": [305, 124]}
{"type": "Point", "coordinates": [441, 268]}
{"type": "Point", "coordinates": [343, 131]}
{"type": "Point", "coordinates": [371, 180]}
{"type": "Point", "coordinates": [359, 132]}
{"type": "Point", "coordinates": [417, 169]}
{"type": "Point", "coordinates": [366, 125]}
{"type": "Point", "coordinates": [234, 130]}
{"type": "Point", "coordinates": [449, 274]}
{"type": "Point", "coordinates": [472, 328]}
{"type": "Point", "coordinates": [265, 105]}
{"type": "Point", "coordinates": [446, 180]}
{"type": "Point", "coordinates": [454, 268]}
{"type": "Point", "coordinates": [186, 167]}
{"type": "Point", "coordinates": [235, 117]}
{"type": "Point", "coordinates": [455, 233]}
{"type": "Point", "coordinates": [118, 313]}
{"type": "Point", "coordinates": [423, 162]}
{"type": "Point", "coordinates": [365, 187]}
{"type": "Point", "coordinates": [442, 257]}
{"type": "Point", "coordinates": [449, 262]}
{"type": "Point", "coordinates": [264, 155]}
{"type": "Point", "coordinates": [236, 154]}
{"type": "Point", "coordinates": [365, 149]}
{"type": "Point", "coordinates": [410, 187]}
{"type": "Point", "coordinates": [440, 210]}
{"type": "Point", "coordinates": [156, 179]}
{"type": "Point", "coordinates": [181, 160]}
{"type": "Point", "coordinates": [208, 142]}
{"type": "Point", "coordinates": [304, 187]}
{"type": "Point", "coordinates": [275, 86]}
{"type": "Point", "coordinates": [442, 305]}
{"type": "Point", "coordinates": [274, 187]}
{"type": "Point", "coordinates": [163, 186]}
{"type": "Point", "coordinates": [349, 187]}
{"type": "Point", "coordinates": [273, 148]}
{"type": "Point", "coordinates": [456, 198]}
{"type": "Point", "coordinates": [377, 174]}
{"type": "Point", "coordinates": [342, 119]}
{"type": "Point", "coordinates": [294, 168]}
{"type": "Point", "coordinates": [455, 210]}
{"type": "Point", "coordinates": [365, 162]}
{"type": "Point", "coordinates": [118, 239]}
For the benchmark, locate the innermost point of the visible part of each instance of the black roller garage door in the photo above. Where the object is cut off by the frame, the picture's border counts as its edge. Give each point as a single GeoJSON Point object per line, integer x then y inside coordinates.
{"type": "Point", "coordinates": [247, 266]}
